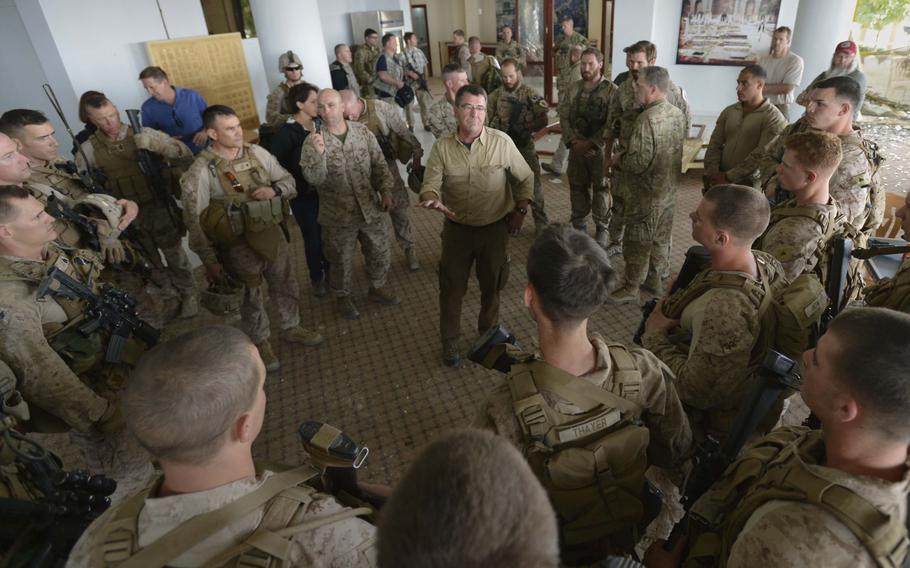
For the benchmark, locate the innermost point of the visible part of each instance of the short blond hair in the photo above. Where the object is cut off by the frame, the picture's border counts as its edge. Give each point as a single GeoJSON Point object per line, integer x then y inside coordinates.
{"type": "Point", "coordinates": [815, 150]}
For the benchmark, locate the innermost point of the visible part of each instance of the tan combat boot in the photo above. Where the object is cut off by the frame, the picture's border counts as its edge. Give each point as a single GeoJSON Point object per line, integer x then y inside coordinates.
{"type": "Point", "coordinates": [268, 356]}
{"type": "Point", "coordinates": [303, 335]}
{"type": "Point", "coordinates": [384, 296]}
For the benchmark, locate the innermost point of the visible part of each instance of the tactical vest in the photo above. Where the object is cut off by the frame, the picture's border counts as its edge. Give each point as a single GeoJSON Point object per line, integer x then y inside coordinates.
{"type": "Point", "coordinates": [832, 226]}
{"type": "Point", "coordinates": [285, 495]}
{"type": "Point", "coordinates": [877, 197]}
{"type": "Point", "coordinates": [393, 146]}
{"type": "Point", "coordinates": [233, 216]}
{"type": "Point", "coordinates": [66, 183]}
{"type": "Point", "coordinates": [394, 69]}
{"type": "Point", "coordinates": [592, 464]}
{"type": "Point", "coordinates": [120, 163]}
{"type": "Point", "coordinates": [776, 469]}
{"type": "Point", "coordinates": [788, 315]}
{"type": "Point", "coordinates": [589, 110]}
{"type": "Point", "coordinates": [893, 293]}
{"type": "Point", "coordinates": [514, 114]}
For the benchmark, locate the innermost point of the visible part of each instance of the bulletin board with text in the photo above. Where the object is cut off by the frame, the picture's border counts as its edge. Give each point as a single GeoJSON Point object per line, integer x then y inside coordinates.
{"type": "Point", "coordinates": [212, 65]}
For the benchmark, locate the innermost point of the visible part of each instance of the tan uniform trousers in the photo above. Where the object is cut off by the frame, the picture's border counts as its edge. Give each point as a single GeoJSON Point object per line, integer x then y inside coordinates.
{"type": "Point", "coordinates": [423, 99]}
{"type": "Point", "coordinates": [248, 267]}
{"type": "Point", "coordinates": [339, 244]}
{"type": "Point", "coordinates": [462, 247]}
{"type": "Point", "coordinates": [401, 204]}
{"type": "Point", "coordinates": [589, 191]}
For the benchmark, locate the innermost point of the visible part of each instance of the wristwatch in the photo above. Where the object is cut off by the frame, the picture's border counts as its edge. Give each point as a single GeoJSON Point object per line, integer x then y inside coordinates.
{"type": "Point", "coordinates": [277, 190]}
{"type": "Point", "coordinates": [521, 210]}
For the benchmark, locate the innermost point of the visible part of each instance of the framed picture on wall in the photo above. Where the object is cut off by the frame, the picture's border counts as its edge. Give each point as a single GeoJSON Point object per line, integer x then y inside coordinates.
{"type": "Point", "coordinates": [725, 32]}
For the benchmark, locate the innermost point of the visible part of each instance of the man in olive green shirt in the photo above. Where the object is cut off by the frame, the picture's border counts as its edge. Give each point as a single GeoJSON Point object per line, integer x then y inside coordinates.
{"type": "Point", "coordinates": [465, 179]}
{"type": "Point", "coordinates": [742, 131]}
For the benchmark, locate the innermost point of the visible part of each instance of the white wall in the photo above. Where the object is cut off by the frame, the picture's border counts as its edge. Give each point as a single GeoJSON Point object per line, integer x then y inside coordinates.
{"type": "Point", "coordinates": [710, 88]}
{"type": "Point", "coordinates": [443, 17]}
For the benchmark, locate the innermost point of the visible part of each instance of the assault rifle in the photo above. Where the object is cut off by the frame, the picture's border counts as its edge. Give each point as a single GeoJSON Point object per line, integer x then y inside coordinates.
{"type": "Point", "coordinates": [697, 259]}
{"type": "Point", "coordinates": [152, 167]}
{"type": "Point", "coordinates": [518, 131]}
{"type": "Point", "coordinates": [111, 309]}
{"type": "Point", "coordinates": [776, 374]}
{"type": "Point", "coordinates": [40, 533]}
{"type": "Point", "coordinates": [421, 77]}
{"type": "Point", "coordinates": [58, 209]}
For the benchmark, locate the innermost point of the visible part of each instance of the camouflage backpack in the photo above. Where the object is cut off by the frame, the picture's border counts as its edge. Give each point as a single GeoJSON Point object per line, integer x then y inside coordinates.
{"type": "Point", "coordinates": [876, 188]}
{"type": "Point", "coordinates": [775, 469]}
{"type": "Point", "coordinates": [893, 293]}
{"type": "Point", "coordinates": [592, 464]}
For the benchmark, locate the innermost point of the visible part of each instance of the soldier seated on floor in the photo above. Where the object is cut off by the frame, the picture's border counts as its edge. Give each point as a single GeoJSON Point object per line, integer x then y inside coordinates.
{"type": "Point", "coordinates": [197, 403]}
{"type": "Point", "coordinates": [586, 404]}
{"type": "Point", "coordinates": [506, 522]}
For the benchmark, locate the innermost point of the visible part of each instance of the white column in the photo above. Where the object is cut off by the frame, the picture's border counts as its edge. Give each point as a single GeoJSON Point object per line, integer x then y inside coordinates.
{"type": "Point", "coordinates": [820, 26]}
{"type": "Point", "coordinates": [283, 25]}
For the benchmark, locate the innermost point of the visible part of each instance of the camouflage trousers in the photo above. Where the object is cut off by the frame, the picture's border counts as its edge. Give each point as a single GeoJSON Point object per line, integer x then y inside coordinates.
{"type": "Point", "coordinates": [250, 268]}
{"type": "Point", "coordinates": [538, 208]}
{"type": "Point", "coordinates": [156, 304]}
{"type": "Point", "coordinates": [646, 247]}
{"type": "Point", "coordinates": [558, 161]}
{"type": "Point", "coordinates": [340, 243]}
{"type": "Point", "coordinates": [156, 230]}
{"type": "Point", "coordinates": [619, 193]}
{"type": "Point", "coordinates": [401, 204]}
{"type": "Point", "coordinates": [118, 456]}
{"type": "Point", "coordinates": [423, 100]}
{"type": "Point", "coordinates": [464, 246]}
{"type": "Point", "coordinates": [589, 191]}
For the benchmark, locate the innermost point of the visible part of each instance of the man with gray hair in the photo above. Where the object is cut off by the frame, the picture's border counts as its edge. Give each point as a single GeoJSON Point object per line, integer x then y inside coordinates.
{"type": "Point", "coordinates": [342, 73]}
{"type": "Point", "coordinates": [197, 404]}
{"type": "Point", "coordinates": [652, 161]}
{"type": "Point", "coordinates": [844, 63]}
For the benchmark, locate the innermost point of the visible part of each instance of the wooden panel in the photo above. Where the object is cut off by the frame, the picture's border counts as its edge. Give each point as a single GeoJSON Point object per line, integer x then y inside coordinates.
{"type": "Point", "coordinates": [213, 65]}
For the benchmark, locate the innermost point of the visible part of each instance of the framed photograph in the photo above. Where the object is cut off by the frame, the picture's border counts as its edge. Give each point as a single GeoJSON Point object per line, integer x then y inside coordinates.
{"type": "Point", "coordinates": [725, 32]}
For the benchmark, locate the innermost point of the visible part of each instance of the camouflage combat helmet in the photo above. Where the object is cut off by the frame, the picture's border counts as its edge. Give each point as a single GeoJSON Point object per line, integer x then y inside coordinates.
{"type": "Point", "coordinates": [104, 204]}
{"type": "Point", "coordinates": [288, 58]}
{"type": "Point", "coordinates": [222, 298]}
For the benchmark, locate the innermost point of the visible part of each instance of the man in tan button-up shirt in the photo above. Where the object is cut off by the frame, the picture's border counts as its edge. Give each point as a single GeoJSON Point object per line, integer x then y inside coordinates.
{"type": "Point", "coordinates": [465, 179]}
{"type": "Point", "coordinates": [742, 130]}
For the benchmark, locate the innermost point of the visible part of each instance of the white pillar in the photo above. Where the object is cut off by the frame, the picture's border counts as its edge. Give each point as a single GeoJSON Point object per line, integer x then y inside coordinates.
{"type": "Point", "coordinates": [283, 25]}
{"type": "Point", "coordinates": [820, 26]}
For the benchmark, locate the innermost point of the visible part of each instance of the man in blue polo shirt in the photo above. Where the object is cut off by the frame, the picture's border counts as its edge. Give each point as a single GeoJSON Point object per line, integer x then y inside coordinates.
{"type": "Point", "coordinates": [173, 110]}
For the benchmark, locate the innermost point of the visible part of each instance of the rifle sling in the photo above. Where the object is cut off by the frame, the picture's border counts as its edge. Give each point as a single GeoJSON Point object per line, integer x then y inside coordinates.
{"type": "Point", "coordinates": [195, 530]}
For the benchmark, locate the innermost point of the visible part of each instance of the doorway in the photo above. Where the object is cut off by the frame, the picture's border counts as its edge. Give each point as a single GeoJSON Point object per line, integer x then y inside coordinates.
{"type": "Point", "coordinates": [422, 29]}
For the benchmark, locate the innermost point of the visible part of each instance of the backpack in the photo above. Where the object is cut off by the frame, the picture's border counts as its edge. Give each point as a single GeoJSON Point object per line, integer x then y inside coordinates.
{"type": "Point", "coordinates": [775, 469]}
{"type": "Point", "coordinates": [393, 146]}
{"type": "Point", "coordinates": [876, 188]}
{"type": "Point", "coordinates": [285, 495]}
{"type": "Point", "coordinates": [833, 228]}
{"type": "Point", "coordinates": [592, 464]}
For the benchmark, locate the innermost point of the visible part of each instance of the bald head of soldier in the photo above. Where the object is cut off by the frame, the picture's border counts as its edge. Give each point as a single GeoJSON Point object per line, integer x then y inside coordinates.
{"type": "Point", "coordinates": [651, 85]}
{"type": "Point", "coordinates": [353, 106]}
{"type": "Point", "coordinates": [33, 132]}
{"type": "Point", "coordinates": [196, 403]}
{"type": "Point", "coordinates": [331, 107]}
{"type": "Point", "coordinates": [730, 218]}
{"type": "Point", "coordinates": [809, 161]}
{"type": "Point", "coordinates": [14, 167]}
{"type": "Point", "coordinates": [855, 380]}
{"type": "Point", "coordinates": [222, 125]}
{"type": "Point", "coordinates": [25, 227]}
{"type": "Point", "coordinates": [469, 500]}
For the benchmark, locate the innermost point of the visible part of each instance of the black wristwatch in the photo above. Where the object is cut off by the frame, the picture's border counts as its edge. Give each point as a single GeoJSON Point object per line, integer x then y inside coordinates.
{"type": "Point", "coordinates": [521, 210]}
{"type": "Point", "coordinates": [277, 190]}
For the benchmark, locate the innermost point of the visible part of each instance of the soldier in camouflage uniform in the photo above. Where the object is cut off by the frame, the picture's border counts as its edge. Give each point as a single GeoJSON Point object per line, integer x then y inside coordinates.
{"type": "Point", "coordinates": [342, 73]}
{"type": "Point", "coordinates": [484, 69]}
{"type": "Point", "coordinates": [127, 266]}
{"type": "Point", "coordinates": [566, 78]}
{"type": "Point", "coordinates": [384, 121]}
{"type": "Point", "coordinates": [440, 119]}
{"type": "Point", "coordinates": [518, 111]}
{"type": "Point", "coordinates": [624, 109]}
{"type": "Point", "coordinates": [389, 69]}
{"type": "Point", "coordinates": [365, 61]}
{"type": "Point", "coordinates": [275, 112]}
{"type": "Point", "coordinates": [653, 157]}
{"type": "Point", "coordinates": [585, 131]}
{"type": "Point", "coordinates": [509, 48]}
{"type": "Point", "coordinates": [776, 505]}
{"type": "Point", "coordinates": [461, 54]}
{"type": "Point", "coordinates": [798, 226]}
{"type": "Point", "coordinates": [197, 390]}
{"type": "Point", "coordinates": [113, 149]}
{"type": "Point", "coordinates": [855, 185]}
{"type": "Point", "coordinates": [894, 292]}
{"type": "Point", "coordinates": [569, 38]}
{"type": "Point", "coordinates": [63, 373]}
{"type": "Point", "coordinates": [235, 202]}
{"type": "Point", "coordinates": [346, 166]}
{"type": "Point", "coordinates": [415, 70]}
{"type": "Point", "coordinates": [710, 343]}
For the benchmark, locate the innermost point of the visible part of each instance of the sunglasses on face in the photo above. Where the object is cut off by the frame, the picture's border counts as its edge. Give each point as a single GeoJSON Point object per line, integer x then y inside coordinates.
{"type": "Point", "coordinates": [293, 68]}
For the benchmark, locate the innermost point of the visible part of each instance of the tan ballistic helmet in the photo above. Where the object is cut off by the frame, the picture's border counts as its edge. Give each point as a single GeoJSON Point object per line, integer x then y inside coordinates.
{"type": "Point", "coordinates": [94, 203]}
{"type": "Point", "coordinates": [288, 58]}
{"type": "Point", "coordinates": [222, 298]}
